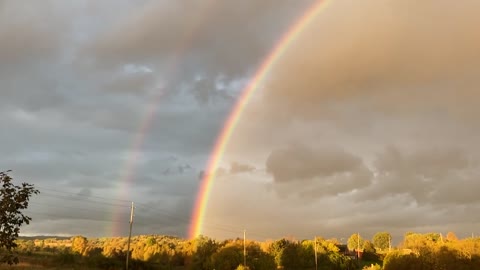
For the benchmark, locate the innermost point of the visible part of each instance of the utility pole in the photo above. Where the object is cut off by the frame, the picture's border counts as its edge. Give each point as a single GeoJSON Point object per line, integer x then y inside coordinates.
{"type": "Point", "coordinates": [129, 235]}
{"type": "Point", "coordinates": [389, 243]}
{"type": "Point", "coordinates": [244, 248]}
{"type": "Point", "coordinates": [358, 246]}
{"type": "Point", "coordinates": [316, 263]}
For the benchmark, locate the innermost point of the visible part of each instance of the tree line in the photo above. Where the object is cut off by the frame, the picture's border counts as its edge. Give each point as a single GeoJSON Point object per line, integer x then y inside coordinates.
{"type": "Point", "coordinates": [417, 251]}
{"type": "Point", "coordinates": [168, 252]}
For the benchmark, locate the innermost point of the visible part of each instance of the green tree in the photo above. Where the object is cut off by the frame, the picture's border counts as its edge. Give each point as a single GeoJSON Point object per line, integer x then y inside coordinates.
{"type": "Point", "coordinates": [290, 256]}
{"type": "Point", "coordinates": [355, 241]}
{"type": "Point", "coordinates": [227, 257]}
{"type": "Point", "coordinates": [368, 247]}
{"type": "Point", "coordinates": [276, 250]}
{"type": "Point", "coordinates": [205, 248]}
{"type": "Point", "coordinates": [13, 199]}
{"type": "Point", "coordinates": [381, 240]}
{"type": "Point", "coordinates": [258, 259]}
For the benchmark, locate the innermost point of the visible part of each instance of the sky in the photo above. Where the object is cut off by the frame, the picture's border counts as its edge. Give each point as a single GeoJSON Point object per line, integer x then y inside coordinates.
{"type": "Point", "coordinates": [366, 123]}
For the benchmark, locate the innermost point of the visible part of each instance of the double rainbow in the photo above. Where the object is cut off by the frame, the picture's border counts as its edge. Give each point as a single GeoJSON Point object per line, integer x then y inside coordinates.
{"type": "Point", "coordinates": [280, 48]}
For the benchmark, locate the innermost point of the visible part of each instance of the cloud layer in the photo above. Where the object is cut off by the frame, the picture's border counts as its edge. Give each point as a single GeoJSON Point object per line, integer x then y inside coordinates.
{"type": "Point", "coordinates": [367, 122]}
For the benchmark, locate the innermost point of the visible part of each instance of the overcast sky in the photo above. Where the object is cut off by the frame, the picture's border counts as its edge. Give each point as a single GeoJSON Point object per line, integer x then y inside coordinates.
{"type": "Point", "coordinates": [367, 123]}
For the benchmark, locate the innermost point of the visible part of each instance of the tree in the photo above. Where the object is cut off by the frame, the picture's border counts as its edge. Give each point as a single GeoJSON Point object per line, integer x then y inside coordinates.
{"type": "Point", "coordinates": [205, 248]}
{"type": "Point", "coordinates": [227, 257]}
{"type": "Point", "coordinates": [368, 247]}
{"type": "Point", "coordinates": [381, 240]}
{"type": "Point", "coordinates": [79, 244]}
{"type": "Point", "coordinates": [13, 199]}
{"type": "Point", "coordinates": [452, 237]}
{"type": "Point", "coordinates": [355, 242]}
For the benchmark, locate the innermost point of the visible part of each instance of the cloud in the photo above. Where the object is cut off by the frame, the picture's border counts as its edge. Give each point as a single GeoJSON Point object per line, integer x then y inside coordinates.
{"type": "Point", "coordinates": [432, 176]}
{"type": "Point", "coordinates": [317, 172]}
{"type": "Point", "coordinates": [29, 32]}
{"type": "Point", "coordinates": [205, 35]}
{"type": "Point", "coordinates": [237, 167]}
{"type": "Point", "coordinates": [395, 85]}
{"type": "Point", "coordinates": [383, 55]}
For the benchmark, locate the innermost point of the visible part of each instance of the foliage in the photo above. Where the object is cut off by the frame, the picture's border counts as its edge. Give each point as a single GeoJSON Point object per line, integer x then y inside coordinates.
{"type": "Point", "coordinates": [227, 257]}
{"type": "Point", "coordinates": [355, 242]}
{"type": "Point", "coordinates": [381, 240]}
{"type": "Point", "coordinates": [368, 247]}
{"type": "Point", "coordinates": [369, 252]}
{"type": "Point", "coordinates": [79, 245]}
{"type": "Point", "coordinates": [13, 199]}
{"type": "Point", "coordinates": [419, 251]}
{"type": "Point", "coordinates": [451, 237]}
{"type": "Point", "coordinates": [372, 267]}
{"type": "Point", "coordinates": [428, 251]}
{"type": "Point", "coordinates": [204, 249]}
{"type": "Point", "coordinates": [241, 267]}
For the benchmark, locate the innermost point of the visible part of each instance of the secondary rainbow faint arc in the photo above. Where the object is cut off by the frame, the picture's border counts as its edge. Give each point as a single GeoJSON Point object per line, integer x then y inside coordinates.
{"type": "Point", "coordinates": [288, 38]}
{"type": "Point", "coordinates": [147, 121]}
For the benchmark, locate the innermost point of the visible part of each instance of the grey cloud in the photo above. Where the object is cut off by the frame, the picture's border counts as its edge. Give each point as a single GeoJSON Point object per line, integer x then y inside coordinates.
{"type": "Point", "coordinates": [237, 167]}
{"type": "Point", "coordinates": [205, 91]}
{"type": "Point", "coordinates": [436, 177]}
{"type": "Point", "coordinates": [131, 83]}
{"type": "Point", "coordinates": [209, 34]}
{"type": "Point", "coordinates": [78, 82]}
{"type": "Point", "coordinates": [314, 172]}
{"type": "Point", "coordinates": [92, 101]}
{"type": "Point", "coordinates": [32, 31]}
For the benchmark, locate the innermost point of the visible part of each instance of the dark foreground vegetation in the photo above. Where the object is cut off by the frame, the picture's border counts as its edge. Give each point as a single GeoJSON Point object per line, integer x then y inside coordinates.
{"type": "Point", "coordinates": [417, 251]}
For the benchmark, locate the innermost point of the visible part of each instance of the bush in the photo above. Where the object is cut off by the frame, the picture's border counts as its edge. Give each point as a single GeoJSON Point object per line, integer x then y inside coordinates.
{"type": "Point", "coordinates": [66, 258]}
{"type": "Point", "coordinates": [372, 267]}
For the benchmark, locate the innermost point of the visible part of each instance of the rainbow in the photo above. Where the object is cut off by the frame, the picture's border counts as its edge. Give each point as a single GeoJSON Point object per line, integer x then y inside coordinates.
{"type": "Point", "coordinates": [128, 173]}
{"type": "Point", "coordinates": [201, 203]}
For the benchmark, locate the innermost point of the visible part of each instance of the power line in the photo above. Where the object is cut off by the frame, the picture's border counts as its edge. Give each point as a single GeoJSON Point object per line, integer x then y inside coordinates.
{"type": "Point", "coordinates": [82, 195]}
{"type": "Point", "coordinates": [73, 197]}
{"type": "Point", "coordinates": [62, 206]}
{"type": "Point", "coordinates": [70, 198]}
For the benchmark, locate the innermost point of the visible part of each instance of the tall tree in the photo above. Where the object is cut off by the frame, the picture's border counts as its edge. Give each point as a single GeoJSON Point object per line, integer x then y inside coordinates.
{"type": "Point", "coordinates": [355, 242]}
{"type": "Point", "coordinates": [13, 199]}
{"type": "Point", "coordinates": [381, 240]}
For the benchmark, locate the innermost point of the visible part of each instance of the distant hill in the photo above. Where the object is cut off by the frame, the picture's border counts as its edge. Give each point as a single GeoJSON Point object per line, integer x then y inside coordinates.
{"type": "Point", "coordinates": [43, 237]}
